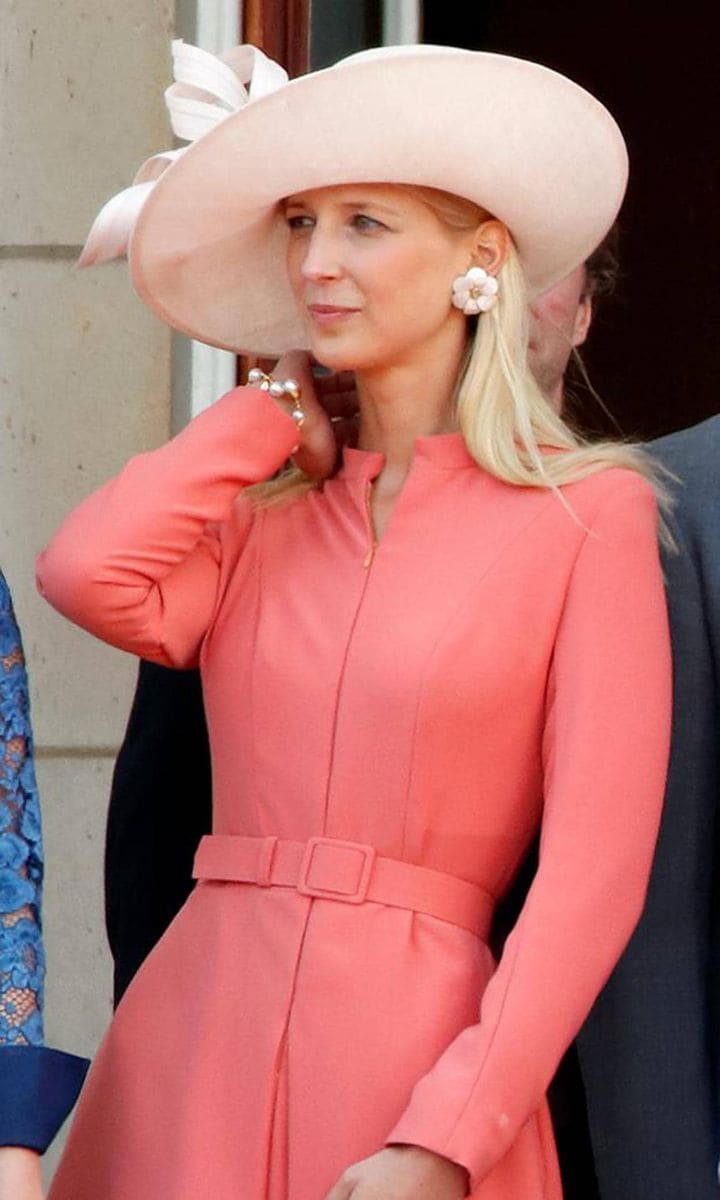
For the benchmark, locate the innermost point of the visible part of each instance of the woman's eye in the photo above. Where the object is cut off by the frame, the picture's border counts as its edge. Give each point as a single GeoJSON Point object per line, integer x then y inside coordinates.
{"type": "Point", "coordinates": [299, 222]}
{"type": "Point", "coordinates": [367, 224]}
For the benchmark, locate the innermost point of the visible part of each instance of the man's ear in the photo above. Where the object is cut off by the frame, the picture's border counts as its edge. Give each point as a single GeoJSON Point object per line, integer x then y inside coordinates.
{"type": "Point", "coordinates": [583, 321]}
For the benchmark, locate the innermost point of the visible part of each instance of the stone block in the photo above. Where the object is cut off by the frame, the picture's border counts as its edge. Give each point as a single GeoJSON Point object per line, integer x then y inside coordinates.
{"type": "Point", "coordinates": [84, 385]}
{"type": "Point", "coordinates": [81, 107]}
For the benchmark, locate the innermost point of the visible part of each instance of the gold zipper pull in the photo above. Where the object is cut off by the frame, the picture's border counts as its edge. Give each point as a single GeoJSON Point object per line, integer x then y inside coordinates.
{"type": "Point", "coordinates": [367, 561]}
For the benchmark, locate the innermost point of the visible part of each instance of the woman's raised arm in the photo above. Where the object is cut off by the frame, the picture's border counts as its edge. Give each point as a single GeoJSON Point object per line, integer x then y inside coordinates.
{"type": "Point", "coordinates": [138, 562]}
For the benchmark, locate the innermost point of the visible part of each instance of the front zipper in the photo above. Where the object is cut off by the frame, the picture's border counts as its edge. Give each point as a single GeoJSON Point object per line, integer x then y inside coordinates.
{"type": "Point", "coordinates": [367, 561]}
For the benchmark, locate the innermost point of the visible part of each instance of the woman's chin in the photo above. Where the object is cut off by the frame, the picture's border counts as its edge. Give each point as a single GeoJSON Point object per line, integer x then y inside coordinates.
{"type": "Point", "coordinates": [336, 357]}
{"type": "Point", "coordinates": [339, 354]}
{"type": "Point", "coordinates": [336, 363]}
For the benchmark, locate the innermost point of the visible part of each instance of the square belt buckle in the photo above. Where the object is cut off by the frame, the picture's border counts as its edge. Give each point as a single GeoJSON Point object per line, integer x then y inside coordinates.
{"type": "Point", "coordinates": [319, 848]}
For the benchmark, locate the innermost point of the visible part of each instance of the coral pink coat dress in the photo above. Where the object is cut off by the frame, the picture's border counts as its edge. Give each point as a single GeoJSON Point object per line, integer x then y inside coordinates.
{"type": "Point", "coordinates": [390, 725]}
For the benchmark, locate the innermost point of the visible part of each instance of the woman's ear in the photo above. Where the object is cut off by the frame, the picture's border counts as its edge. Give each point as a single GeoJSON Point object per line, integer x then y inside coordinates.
{"type": "Point", "coordinates": [491, 245]}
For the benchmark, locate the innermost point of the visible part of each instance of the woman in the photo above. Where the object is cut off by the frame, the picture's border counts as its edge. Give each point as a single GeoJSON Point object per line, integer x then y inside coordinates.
{"type": "Point", "coordinates": [38, 1086]}
{"type": "Point", "coordinates": [406, 668]}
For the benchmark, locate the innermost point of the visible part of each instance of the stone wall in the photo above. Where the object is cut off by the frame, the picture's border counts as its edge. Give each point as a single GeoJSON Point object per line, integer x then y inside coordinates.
{"type": "Point", "coordinates": [85, 382]}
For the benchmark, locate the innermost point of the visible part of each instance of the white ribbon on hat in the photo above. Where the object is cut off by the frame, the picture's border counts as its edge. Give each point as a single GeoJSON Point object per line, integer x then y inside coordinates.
{"type": "Point", "coordinates": [207, 90]}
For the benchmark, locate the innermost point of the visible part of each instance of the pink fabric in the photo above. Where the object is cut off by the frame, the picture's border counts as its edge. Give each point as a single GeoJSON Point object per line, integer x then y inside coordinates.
{"type": "Point", "coordinates": [348, 871]}
{"type": "Point", "coordinates": [498, 662]}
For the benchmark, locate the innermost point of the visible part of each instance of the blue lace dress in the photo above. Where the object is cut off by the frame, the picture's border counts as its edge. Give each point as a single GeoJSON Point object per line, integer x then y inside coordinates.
{"type": "Point", "coordinates": [38, 1086]}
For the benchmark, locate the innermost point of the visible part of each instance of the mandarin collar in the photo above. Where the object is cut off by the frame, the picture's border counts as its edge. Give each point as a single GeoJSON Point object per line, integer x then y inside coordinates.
{"type": "Point", "coordinates": [447, 451]}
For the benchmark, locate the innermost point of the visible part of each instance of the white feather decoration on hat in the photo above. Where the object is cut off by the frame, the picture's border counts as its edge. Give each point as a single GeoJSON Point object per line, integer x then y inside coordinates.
{"type": "Point", "coordinates": [207, 90]}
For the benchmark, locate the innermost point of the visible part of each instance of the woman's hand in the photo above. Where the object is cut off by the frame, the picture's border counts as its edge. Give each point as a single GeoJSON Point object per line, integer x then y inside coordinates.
{"type": "Point", "coordinates": [330, 406]}
{"type": "Point", "coordinates": [402, 1173]}
{"type": "Point", "coordinates": [20, 1174]}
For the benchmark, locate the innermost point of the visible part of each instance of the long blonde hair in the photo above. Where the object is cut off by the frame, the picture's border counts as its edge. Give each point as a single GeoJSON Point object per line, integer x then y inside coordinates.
{"type": "Point", "coordinates": [506, 420]}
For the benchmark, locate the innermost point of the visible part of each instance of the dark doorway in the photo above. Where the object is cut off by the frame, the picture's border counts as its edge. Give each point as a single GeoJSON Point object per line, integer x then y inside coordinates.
{"type": "Point", "coordinates": [654, 354]}
{"type": "Point", "coordinates": [342, 27]}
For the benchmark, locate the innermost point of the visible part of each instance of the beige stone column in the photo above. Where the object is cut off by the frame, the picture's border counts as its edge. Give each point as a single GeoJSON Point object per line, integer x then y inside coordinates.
{"type": "Point", "coordinates": [85, 382]}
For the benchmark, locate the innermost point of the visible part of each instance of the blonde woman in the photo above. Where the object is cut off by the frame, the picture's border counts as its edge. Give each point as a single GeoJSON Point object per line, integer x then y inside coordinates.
{"type": "Point", "coordinates": [409, 664]}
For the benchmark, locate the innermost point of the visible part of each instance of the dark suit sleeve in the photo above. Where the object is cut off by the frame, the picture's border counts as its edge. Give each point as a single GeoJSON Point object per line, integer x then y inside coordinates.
{"type": "Point", "coordinates": [160, 806]}
{"type": "Point", "coordinates": [649, 1049]}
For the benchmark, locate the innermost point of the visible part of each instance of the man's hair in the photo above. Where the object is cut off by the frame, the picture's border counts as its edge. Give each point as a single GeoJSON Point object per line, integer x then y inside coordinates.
{"type": "Point", "coordinates": [602, 268]}
{"type": "Point", "coordinates": [602, 272]}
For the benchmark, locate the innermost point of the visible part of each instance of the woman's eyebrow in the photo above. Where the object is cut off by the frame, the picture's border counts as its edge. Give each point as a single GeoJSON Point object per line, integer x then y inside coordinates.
{"type": "Point", "coordinates": [360, 202]}
{"type": "Point", "coordinates": [354, 203]}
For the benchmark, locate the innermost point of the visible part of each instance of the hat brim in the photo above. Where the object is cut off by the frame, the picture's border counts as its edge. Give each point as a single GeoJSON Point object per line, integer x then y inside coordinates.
{"type": "Point", "coordinates": [530, 146]}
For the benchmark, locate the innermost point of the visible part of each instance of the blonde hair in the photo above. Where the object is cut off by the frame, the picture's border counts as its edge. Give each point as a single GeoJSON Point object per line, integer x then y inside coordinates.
{"type": "Point", "coordinates": [508, 423]}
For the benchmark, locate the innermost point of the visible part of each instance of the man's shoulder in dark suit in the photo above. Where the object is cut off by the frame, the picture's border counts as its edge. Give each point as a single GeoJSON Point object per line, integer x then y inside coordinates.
{"type": "Point", "coordinates": [695, 449]}
{"type": "Point", "coordinates": [649, 1046]}
{"type": "Point", "coordinates": [693, 455]}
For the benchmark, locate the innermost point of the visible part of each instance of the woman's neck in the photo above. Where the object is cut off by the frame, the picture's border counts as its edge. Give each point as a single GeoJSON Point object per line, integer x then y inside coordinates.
{"type": "Point", "coordinates": [401, 402]}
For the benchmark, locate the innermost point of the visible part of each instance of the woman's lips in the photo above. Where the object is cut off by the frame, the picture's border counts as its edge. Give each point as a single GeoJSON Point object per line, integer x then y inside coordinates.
{"type": "Point", "coordinates": [330, 314]}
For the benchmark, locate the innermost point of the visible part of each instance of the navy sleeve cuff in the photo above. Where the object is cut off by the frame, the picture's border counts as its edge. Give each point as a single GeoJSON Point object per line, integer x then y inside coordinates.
{"type": "Point", "coordinates": [38, 1088]}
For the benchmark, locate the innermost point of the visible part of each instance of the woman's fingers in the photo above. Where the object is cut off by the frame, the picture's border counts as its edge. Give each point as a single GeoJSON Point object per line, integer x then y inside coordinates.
{"type": "Point", "coordinates": [292, 360]}
{"type": "Point", "coordinates": [317, 451]}
{"type": "Point", "coordinates": [20, 1174]}
{"type": "Point", "coordinates": [331, 412]}
{"type": "Point", "coordinates": [341, 1191]}
{"type": "Point", "coordinates": [402, 1173]}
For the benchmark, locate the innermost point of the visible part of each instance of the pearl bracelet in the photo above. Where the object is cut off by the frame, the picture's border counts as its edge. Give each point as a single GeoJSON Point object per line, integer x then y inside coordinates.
{"type": "Point", "coordinates": [279, 389]}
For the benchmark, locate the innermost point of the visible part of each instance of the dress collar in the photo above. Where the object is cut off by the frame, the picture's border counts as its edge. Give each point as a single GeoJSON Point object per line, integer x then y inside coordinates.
{"type": "Point", "coordinates": [447, 451]}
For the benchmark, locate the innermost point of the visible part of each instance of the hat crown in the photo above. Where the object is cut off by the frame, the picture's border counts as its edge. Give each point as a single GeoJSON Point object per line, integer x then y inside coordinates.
{"type": "Point", "coordinates": [404, 50]}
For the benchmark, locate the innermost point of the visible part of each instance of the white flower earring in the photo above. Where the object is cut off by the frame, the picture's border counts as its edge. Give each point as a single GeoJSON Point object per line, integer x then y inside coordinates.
{"type": "Point", "coordinates": [475, 291]}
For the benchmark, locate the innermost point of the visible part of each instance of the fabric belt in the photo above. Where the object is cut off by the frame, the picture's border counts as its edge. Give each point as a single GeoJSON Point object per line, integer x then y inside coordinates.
{"type": "Point", "coordinates": [350, 872]}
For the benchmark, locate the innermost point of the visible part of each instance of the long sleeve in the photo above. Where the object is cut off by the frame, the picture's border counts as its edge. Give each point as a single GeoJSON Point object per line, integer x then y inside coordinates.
{"type": "Point", "coordinates": [38, 1086]}
{"type": "Point", "coordinates": [138, 562]}
{"type": "Point", "coordinates": [605, 746]}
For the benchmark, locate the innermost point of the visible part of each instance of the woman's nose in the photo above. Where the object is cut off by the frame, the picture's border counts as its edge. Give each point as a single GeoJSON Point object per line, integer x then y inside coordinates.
{"type": "Point", "coordinates": [321, 259]}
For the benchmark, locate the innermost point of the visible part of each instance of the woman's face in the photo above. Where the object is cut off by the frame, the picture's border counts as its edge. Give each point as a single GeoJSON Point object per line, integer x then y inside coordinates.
{"type": "Point", "coordinates": [371, 267]}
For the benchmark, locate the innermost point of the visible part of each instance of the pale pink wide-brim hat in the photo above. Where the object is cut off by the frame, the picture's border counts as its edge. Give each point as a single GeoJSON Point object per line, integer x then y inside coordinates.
{"type": "Point", "coordinates": [207, 252]}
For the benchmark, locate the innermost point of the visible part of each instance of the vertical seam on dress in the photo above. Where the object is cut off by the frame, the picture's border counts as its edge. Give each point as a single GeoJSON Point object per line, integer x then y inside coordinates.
{"type": "Point", "coordinates": [284, 1040]}
{"type": "Point", "coordinates": [258, 574]}
{"type": "Point", "coordinates": [338, 693]}
{"type": "Point", "coordinates": [422, 686]}
{"type": "Point", "coordinates": [280, 1057]}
